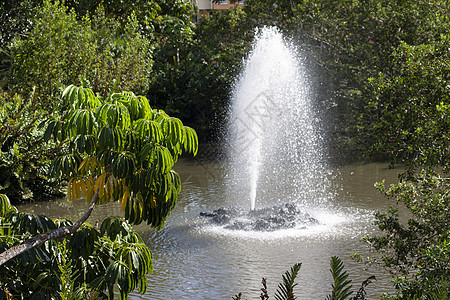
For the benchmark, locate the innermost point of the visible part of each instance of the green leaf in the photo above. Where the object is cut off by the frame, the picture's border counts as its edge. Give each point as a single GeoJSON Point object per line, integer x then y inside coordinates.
{"type": "Point", "coordinates": [341, 286]}
{"type": "Point", "coordinates": [5, 205]}
{"type": "Point", "coordinates": [285, 290]}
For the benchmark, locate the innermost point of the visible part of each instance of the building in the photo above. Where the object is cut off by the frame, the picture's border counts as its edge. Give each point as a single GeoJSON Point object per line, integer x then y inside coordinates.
{"type": "Point", "coordinates": [206, 6]}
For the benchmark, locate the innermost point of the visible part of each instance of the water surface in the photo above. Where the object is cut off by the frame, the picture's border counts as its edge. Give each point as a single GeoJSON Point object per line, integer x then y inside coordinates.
{"type": "Point", "coordinates": [195, 260]}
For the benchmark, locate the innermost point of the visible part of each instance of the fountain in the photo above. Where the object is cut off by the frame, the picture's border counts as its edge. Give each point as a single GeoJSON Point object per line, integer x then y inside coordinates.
{"type": "Point", "coordinates": [296, 214]}
{"type": "Point", "coordinates": [275, 153]}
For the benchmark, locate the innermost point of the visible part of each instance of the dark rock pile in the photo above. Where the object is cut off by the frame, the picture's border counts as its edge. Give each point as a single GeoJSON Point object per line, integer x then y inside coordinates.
{"type": "Point", "coordinates": [273, 218]}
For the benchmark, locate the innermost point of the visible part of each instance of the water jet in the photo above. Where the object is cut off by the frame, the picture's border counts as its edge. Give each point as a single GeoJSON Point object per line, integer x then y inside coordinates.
{"type": "Point", "coordinates": [274, 147]}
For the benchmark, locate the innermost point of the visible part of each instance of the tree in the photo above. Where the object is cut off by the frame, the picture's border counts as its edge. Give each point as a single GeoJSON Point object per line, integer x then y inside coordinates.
{"type": "Point", "coordinates": [81, 42]}
{"type": "Point", "coordinates": [15, 18]}
{"type": "Point", "coordinates": [416, 253]}
{"type": "Point", "coordinates": [347, 43]}
{"type": "Point", "coordinates": [156, 18]}
{"type": "Point", "coordinates": [113, 149]}
{"type": "Point", "coordinates": [94, 51]}
{"type": "Point", "coordinates": [412, 107]}
{"type": "Point", "coordinates": [194, 79]}
{"type": "Point", "coordinates": [24, 157]}
{"type": "Point", "coordinates": [123, 148]}
{"type": "Point", "coordinates": [86, 264]}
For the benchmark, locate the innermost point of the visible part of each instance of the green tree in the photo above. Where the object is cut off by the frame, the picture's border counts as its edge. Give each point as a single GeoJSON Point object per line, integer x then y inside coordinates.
{"type": "Point", "coordinates": [195, 79]}
{"type": "Point", "coordinates": [123, 147]}
{"type": "Point", "coordinates": [60, 50]}
{"type": "Point", "coordinates": [155, 17]}
{"type": "Point", "coordinates": [347, 43]}
{"type": "Point", "coordinates": [413, 111]}
{"type": "Point", "coordinates": [24, 157]}
{"type": "Point", "coordinates": [411, 105]}
{"type": "Point", "coordinates": [113, 149]}
{"type": "Point", "coordinates": [86, 264]}
{"type": "Point", "coordinates": [15, 17]}
{"type": "Point", "coordinates": [416, 253]}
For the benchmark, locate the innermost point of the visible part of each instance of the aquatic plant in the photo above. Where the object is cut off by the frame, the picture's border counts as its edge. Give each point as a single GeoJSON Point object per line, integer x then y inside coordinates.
{"type": "Point", "coordinates": [341, 287]}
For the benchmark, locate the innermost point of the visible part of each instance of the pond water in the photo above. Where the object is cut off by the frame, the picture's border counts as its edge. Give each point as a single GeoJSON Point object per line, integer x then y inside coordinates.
{"type": "Point", "coordinates": [194, 259]}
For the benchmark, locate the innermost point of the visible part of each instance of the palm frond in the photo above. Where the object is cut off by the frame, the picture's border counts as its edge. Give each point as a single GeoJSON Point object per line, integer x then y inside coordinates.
{"type": "Point", "coordinates": [285, 290]}
{"type": "Point", "coordinates": [341, 286]}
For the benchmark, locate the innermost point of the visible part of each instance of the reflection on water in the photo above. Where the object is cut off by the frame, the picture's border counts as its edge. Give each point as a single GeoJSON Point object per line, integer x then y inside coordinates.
{"type": "Point", "coordinates": [196, 260]}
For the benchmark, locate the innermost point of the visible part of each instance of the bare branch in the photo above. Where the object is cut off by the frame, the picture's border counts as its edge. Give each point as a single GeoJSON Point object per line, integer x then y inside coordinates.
{"type": "Point", "coordinates": [46, 236]}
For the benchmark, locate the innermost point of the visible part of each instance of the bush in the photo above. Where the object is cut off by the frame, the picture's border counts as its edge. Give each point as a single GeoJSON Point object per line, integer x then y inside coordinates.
{"type": "Point", "coordinates": [89, 263]}
{"type": "Point", "coordinates": [416, 253]}
{"type": "Point", "coordinates": [60, 50]}
{"type": "Point", "coordinates": [24, 156]}
{"type": "Point", "coordinates": [194, 79]}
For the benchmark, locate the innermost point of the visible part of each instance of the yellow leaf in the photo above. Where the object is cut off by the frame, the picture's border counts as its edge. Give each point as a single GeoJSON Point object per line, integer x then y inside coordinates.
{"type": "Point", "coordinates": [82, 165]}
{"type": "Point", "coordinates": [69, 189]}
{"type": "Point", "coordinates": [100, 185]}
{"type": "Point", "coordinates": [90, 191]}
{"type": "Point", "coordinates": [126, 194]}
{"type": "Point", "coordinates": [76, 189]}
{"type": "Point", "coordinates": [109, 188]}
{"type": "Point", "coordinates": [83, 187]}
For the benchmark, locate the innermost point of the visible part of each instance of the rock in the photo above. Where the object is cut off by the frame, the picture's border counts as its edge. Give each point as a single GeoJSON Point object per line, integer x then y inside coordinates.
{"type": "Point", "coordinates": [273, 218]}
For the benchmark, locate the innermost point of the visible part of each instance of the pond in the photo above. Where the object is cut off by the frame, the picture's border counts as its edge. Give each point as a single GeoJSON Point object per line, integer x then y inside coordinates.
{"type": "Point", "coordinates": [194, 259]}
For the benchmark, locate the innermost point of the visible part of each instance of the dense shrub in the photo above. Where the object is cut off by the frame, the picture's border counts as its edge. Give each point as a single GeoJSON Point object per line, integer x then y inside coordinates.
{"type": "Point", "coordinates": [194, 79]}
{"type": "Point", "coordinates": [94, 51]}
{"type": "Point", "coordinates": [24, 156]}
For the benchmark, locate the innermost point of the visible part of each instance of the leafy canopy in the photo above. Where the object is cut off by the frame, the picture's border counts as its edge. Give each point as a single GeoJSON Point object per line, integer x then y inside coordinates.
{"type": "Point", "coordinates": [91, 261]}
{"type": "Point", "coordinates": [24, 158]}
{"type": "Point", "coordinates": [122, 148]}
{"type": "Point", "coordinates": [61, 49]}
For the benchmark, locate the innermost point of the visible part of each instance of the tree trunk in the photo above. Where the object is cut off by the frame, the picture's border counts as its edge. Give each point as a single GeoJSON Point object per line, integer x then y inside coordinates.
{"type": "Point", "coordinates": [46, 236]}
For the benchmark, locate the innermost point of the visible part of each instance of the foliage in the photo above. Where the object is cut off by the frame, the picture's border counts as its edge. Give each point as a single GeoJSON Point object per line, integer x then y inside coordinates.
{"type": "Point", "coordinates": [413, 122]}
{"type": "Point", "coordinates": [340, 288]}
{"type": "Point", "coordinates": [154, 17]}
{"type": "Point", "coordinates": [24, 157]}
{"type": "Point", "coordinates": [412, 106]}
{"type": "Point", "coordinates": [60, 50]}
{"type": "Point", "coordinates": [404, 118]}
{"type": "Point", "coordinates": [416, 249]}
{"type": "Point", "coordinates": [432, 280]}
{"type": "Point", "coordinates": [114, 8]}
{"type": "Point", "coordinates": [194, 79]}
{"type": "Point", "coordinates": [15, 18]}
{"type": "Point", "coordinates": [286, 289]}
{"type": "Point", "coordinates": [88, 263]}
{"type": "Point", "coordinates": [348, 42]}
{"type": "Point", "coordinates": [237, 297]}
{"type": "Point", "coordinates": [122, 148]}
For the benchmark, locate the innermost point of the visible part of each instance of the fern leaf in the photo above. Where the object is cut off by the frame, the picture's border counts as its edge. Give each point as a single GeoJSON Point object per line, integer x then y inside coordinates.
{"type": "Point", "coordinates": [341, 286]}
{"type": "Point", "coordinates": [285, 290]}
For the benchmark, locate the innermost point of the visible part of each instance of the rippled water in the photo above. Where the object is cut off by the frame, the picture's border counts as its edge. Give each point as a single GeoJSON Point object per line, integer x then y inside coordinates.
{"type": "Point", "coordinates": [195, 260]}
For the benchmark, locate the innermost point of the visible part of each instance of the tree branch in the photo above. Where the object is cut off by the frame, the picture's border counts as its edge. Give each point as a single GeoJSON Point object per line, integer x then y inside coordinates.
{"type": "Point", "coordinates": [46, 236]}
